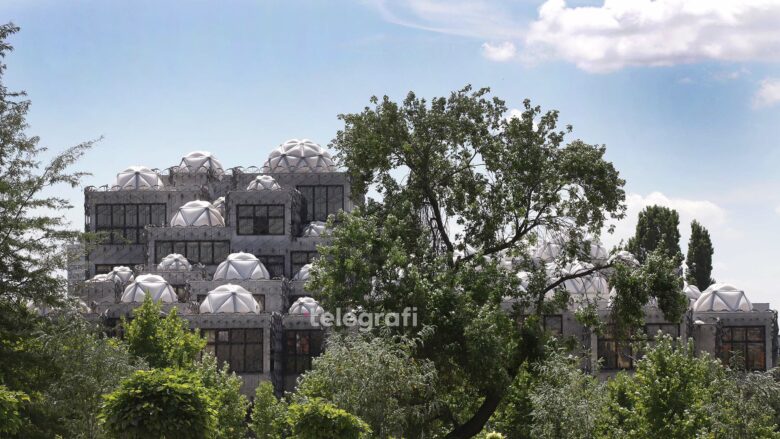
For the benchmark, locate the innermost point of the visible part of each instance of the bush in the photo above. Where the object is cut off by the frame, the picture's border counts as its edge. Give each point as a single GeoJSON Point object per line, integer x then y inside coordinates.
{"type": "Point", "coordinates": [268, 413]}
{"type": "Point", "coordinates": [159, 403]}
{"type": "Point", "coordinates": [224, 390]}
{"type": "Point", "coordinates": [317, 419]}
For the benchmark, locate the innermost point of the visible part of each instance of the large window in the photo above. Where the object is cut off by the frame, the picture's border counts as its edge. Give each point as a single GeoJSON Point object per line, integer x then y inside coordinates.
{"type": "Point", "coordinates": [260, 219]}
{"type": "Point", "coordinates": [125, 223]}
{"type": "Point", "coordinates": [299, 259]}
{"type": "Point", "coordinates": [321, 201]}
{"type": "Point", "coordinates": [274, 264]}
{"type": "Point", "coordinates": [204, 252]}
{"type": "Point", "coordinates": [301, 347]}
{"type": "Point", "coordinates": [746, 343]}
{"type": "Point", "coordinates": [242, 349]}
{"type": "Point", "coordinates": [617, 353]}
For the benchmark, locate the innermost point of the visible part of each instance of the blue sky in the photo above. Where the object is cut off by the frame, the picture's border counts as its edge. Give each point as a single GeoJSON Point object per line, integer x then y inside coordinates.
{"type": "Point", "coordinates": [686, 98]}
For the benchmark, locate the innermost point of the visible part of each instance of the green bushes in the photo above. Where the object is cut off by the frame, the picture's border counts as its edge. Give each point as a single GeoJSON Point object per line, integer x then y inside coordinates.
{"type": "Point", "coordinates": [317, 419]}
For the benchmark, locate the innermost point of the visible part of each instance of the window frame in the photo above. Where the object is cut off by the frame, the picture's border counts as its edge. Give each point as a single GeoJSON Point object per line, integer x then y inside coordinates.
{"type": "Point", "coordinates": [186, 247]}
{"type": "Point", "coordinates": [312, 214]}
{"type": "Point", "coordinates": [298, 362]}
{"type": "Point", "coordinates": [309, 258]}
{"type": "Point", "coordinates": [255, 218]}
{"type": "Point", "coordinates": [139, 228]}
{"type": "Point", "coordinates": [725, 355]}
{"type": "Point", "coordinates": [264, 259]}
{"type": "Point", "coordinates": [213, 344]}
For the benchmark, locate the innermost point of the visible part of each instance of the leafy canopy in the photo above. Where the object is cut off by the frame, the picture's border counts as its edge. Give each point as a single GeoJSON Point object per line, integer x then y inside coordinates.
{"type": "Point", "coordinates": [657, 228]}
{"type": "Point", "coordinates": [699, 257]}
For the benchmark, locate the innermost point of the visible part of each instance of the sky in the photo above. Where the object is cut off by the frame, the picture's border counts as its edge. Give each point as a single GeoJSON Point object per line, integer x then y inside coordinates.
{"type": "Point", "coordinates": [685, 94]}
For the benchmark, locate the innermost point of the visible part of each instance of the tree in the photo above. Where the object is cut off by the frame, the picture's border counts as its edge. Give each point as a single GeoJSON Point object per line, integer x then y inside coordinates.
{"type": "Point", "coordinates": [11, 420]}
{"type": "Point", "coordinates": [33, 234]}
{"type": "Point", "coordinates": [376, 379]}
{"type": "Point", "coordinates": [88, 365]}
{"type": "Point", "coordinates": [159, 403]}
{"type": "Point", "coordinates": [268, 413]}
{"type": "Point", "coordinates": [317, 419]}
{"type": "Point", "coordinates": [656, 228]}
{"type": "Point", "coordinates": [224, 391]}
{"type": "Point", "coordinates": [162, 341]}
{"type": "Point", "coordinates": [463, 187]}
{"type": "Point", "coordinates": [699, 257]}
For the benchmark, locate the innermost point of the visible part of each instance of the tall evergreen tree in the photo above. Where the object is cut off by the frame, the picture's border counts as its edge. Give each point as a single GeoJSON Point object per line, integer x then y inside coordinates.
{"type": "Point", "coordinates": [657, 227]}
{"type": "Point", "coordinates": [699, 258]}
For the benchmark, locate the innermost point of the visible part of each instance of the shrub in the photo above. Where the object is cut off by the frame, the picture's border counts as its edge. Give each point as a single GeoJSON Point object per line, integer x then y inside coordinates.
{"type": "Point", "coordinates": [268, 413]}
{"type": "Point", "coordinates": [317, 419]}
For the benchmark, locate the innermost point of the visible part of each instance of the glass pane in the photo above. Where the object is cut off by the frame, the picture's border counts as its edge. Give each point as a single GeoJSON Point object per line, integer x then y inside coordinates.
{"type": "Point", "coordinates": [755, 356]}
{"type": "Point", "coordinates": [254, 335]}
{"type": "Point", "coordinates": [246, 226]}
{"type": "Point", "coordinates": [335, 199]}
{"type": "Point", "coordinates": [237, 357]}
{"type": "Point", "coordinates": [276, 211]}
{"type": "Point", "coordinates": [118, 215]}
{"type": "Point", "coordinates": [320, 203]}
{"type": "Point", "coordinates": [303, 343]}
{"type": "Point", "coordinates": [727, 334]}
{"type": "Point", "coordinates": [103, 215]}
{"type": "Point", "coordinates": [755, 334]}
{"type": "Point", "coordinates": [245, 211]}
{"type": "Point", "coordinates": [180, 248]}
{"type": "Point", "coordinates": [254, 357]}
{"type": "Point", "coordinates": [221, 249]}
{"type": "Point", "coordinates": [261, 225]}
{"type": "Point", "coordinates": [738, 334]}
{"type": "Point", "coordinates": [206, 253]}
{"type": "Point", "coordinates": [209, 335]}
{"type": "Point", "coordinates": [144, 215]}
{"type": "Point", "coordinates": [131, 215]}
{"type": "Point", "coordinates": [276, 226]}
{"type": "Point", "coordinates": [223, 336]}
{"type": "Point", "coordinates": [158, 214]}
{"type": "Point", "coordinates": [131, 235]}
{"type": "Point", "coordinates": [193, 251]}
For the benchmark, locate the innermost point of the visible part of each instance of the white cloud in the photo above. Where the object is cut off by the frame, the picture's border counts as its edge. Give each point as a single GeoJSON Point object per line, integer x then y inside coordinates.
{"type": "Point", "coordinates": [499, 52]}
{"type": "Point", "coordinates": [515, 113]}
{"type": "Point", "coordinates": [612, 35]}
{"type": "Point", "coordinates": [768, 93]}
{"type": "Point", "coordinates": [777, 210]}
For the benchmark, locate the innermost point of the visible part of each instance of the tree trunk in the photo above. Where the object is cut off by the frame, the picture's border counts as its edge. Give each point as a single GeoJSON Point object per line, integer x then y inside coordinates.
{"type": "Point", "coordinates": [473, 426]}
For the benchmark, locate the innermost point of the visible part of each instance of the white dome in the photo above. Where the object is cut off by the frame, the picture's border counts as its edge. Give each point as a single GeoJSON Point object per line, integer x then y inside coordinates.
{"type": "Point", "coordinates": [120, 275]}
{"type": "Point", "coordinates": [692, 292]}
{"type": "Point", "coordinates": [197, 213]}
{"type": "Point", "coordinates": [722, 297]}
{"type": "Point", "coordinates": [625, 257]}
{"type": "Point", "coordinates": [99, 278]}
{"type": "Point", "coordinates": [243, 266]}
{"type": "Point", "coordinates": [525, 278]}
{"type": "Point", "coordinates": [299, 156]}
{"type": "Point", "coordinates": [303, 273]}
{"type": "Point", "coordinates": [199, 162]}
{"type": "Point", "coordinates": [263, 183]}
{"type": "Point", "coordinates": [546, 252]}
{"type": "Point", "coordinates": [315, 228]}
{"type": "Point", "coordinates": [229, 299]}
{"type": "Point", "coordinates": [593, 284]}
{"type": "Point", "coordinates": [137, 177]}
{"type": "Point", "coordinates": [306, 306]}
{"type": "Point", "coordinates": [174, 262]}
{"type": "Point", "coordinates": [151, 284]}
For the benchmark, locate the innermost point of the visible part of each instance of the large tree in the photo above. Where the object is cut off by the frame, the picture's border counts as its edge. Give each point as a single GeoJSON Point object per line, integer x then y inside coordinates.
{"type": "Point", "coordinates": [699, 257]}
{"type": "Point", "coordinates": [462, 189]}
{"type": "Point", "coordinates": [657, 228]}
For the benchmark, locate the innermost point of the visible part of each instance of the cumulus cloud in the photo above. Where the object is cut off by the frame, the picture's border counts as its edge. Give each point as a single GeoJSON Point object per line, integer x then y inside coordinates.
{"type": "Point", "coordinates": [499, 52]}
{"type": "Point", "coordinates": [768, 93]}
{"type": "Point", "coordinates": [612, 35]}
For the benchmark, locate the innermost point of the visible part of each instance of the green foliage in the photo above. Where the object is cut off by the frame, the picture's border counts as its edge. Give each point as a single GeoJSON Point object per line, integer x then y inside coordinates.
{"type": "Point", "coordinates": [224, 391]}
{"type": "Point", "coordinates": [505, 183]}
{"type": "Point", "coordinates": [699, 257]}
{"type": "Point", "coordinates": [268, 420]}
{"type": "Point", "coordinates": [11, 421]}
{"type": "Point", "coordinates": [317, 419]}
{"type": "Point", "coordinates": [163, 341]}
{"type": "Point", "coordinates": [745, 405]}
{"type": "Point", "coordinates": [657, 228]}
{"type": "Point", "coordinates": [160, 403]}
{"type": "Point", "coordinates": [376, 379]}
{"type": "Point", "coordinates": [87, 366]}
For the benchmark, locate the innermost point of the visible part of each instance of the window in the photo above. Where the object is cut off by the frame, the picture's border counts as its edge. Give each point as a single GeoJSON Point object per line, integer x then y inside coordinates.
{"type": "Point", "coordinates": [746, 343]}
{"type": "Point", "coordinates": [108, 268]}
{"type": "Point", "coordinates": [321, 201]}
{"type": "Point", "coordinates": [274, 265]}
{"type": "Point", "coordinates": [301, 347]}
{"type": "Point", "coordinates": [242, 349]}
{"type": "Point", "coordinates": [260, 219]}
{"type": "Point", "coordinates": [554, 324]}
{"type": "Point", "coordinates": [204, 252]}
{"type": "Point", "coordinates": [299, 259]}
{"type": "Point", "coordinates": [615, 353]}
{"type": "Point", "coordinates": [125, 223]}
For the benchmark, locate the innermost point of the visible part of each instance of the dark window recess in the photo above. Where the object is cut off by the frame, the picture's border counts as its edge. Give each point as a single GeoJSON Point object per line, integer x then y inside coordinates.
{"type": "Point", "coordinates": [204, 252]}
{"type": "Point", "coordinates": [613, 352]}
{"type": "Point", "coordinates": [242, 349]}
{"type": "Point", "coordinates": [301, 346]}
{"type": "Point", "coordinates": [552, 323]}
{"type": "Point", "coordinates": [124, 223]}
{"type": "Point", "coordinates": [274, 265]}
{"type": "Point", "coordinates": [745, 346]}
{"type": "Point", "coordinates": [107, 268]}
{"type": "Point", "coordinates": [321, 201]}
{"type": "Point", "coordinates": [260, 219]}
{"type": "Point", "coordinates": [299, 259]}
